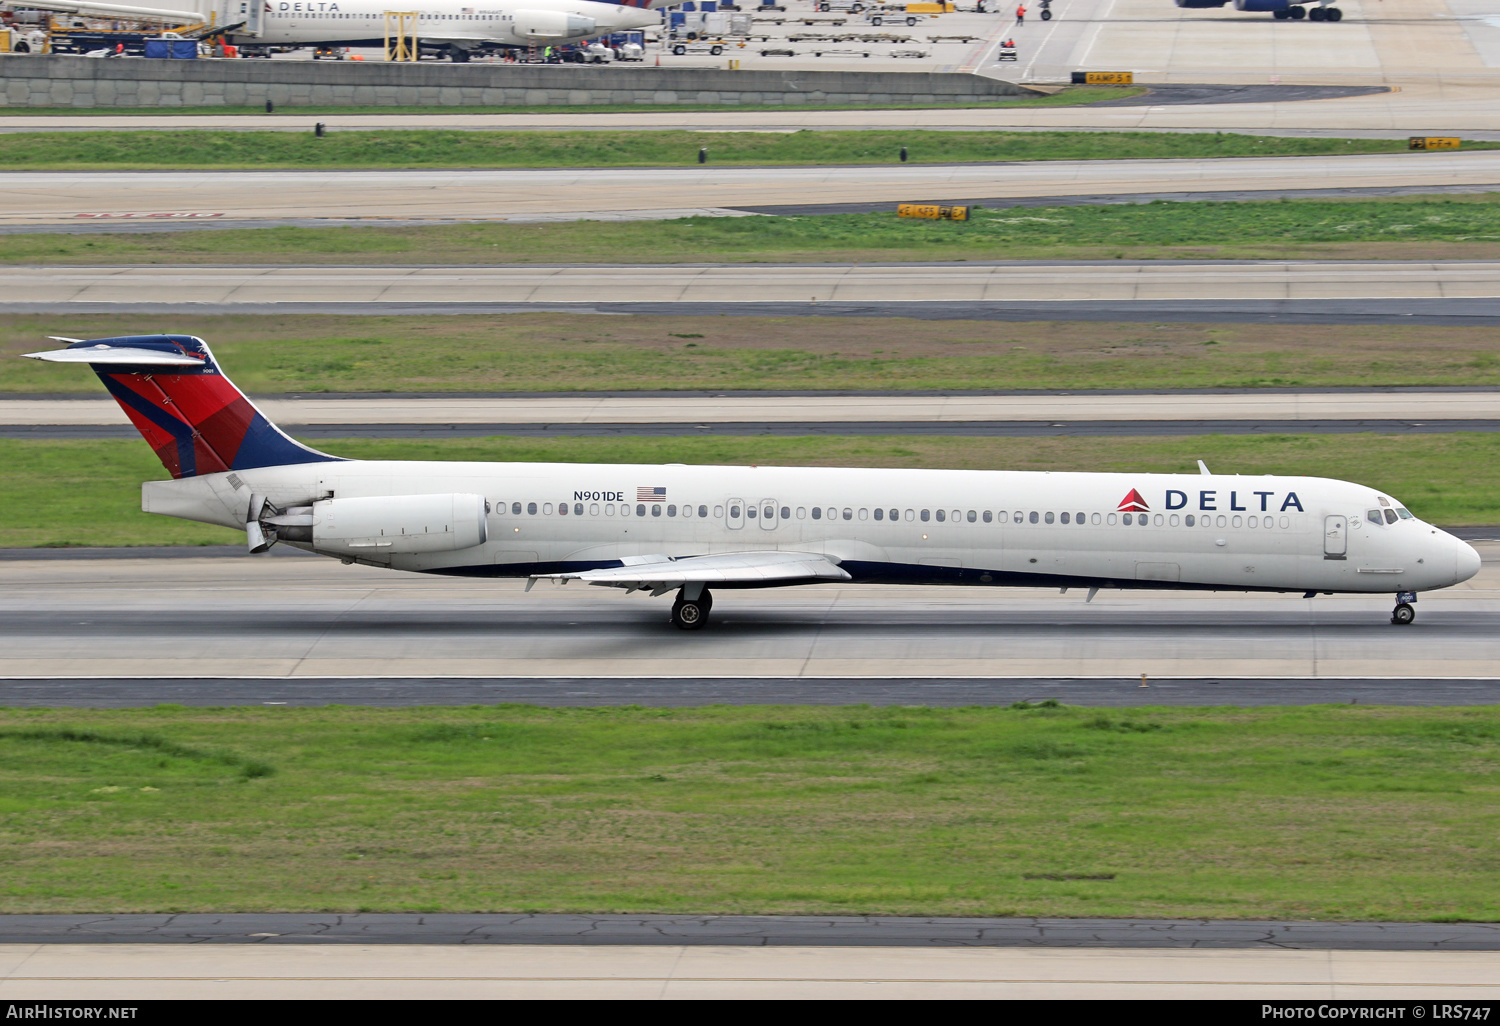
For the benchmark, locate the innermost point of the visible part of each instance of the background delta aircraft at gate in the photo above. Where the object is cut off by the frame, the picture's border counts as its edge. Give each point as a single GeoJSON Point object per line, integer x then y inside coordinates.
{"type": "Point", "coordinates": [691, 528]}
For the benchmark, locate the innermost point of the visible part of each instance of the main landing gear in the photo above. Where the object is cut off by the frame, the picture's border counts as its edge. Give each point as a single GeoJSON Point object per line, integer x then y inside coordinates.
{"type": "Point", "coordinates": [1313, 14]}
{"type": "Point", "coordinates": [1404, 614]}
{"type": "Point", "coordinates": [690, 614]}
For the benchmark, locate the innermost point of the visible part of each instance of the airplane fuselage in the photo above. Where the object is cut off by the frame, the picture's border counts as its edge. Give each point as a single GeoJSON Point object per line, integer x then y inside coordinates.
{"type": "Point", "coordinates": [364, 23]}
{"type": "Point", "coordinates": [1218, 532]}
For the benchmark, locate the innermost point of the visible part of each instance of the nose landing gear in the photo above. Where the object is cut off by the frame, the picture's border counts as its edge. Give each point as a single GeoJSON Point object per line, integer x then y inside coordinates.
{"type": "Point", "coordinates": [690, 614]}
{"type": "Point", "coordinates": [1404, 614]}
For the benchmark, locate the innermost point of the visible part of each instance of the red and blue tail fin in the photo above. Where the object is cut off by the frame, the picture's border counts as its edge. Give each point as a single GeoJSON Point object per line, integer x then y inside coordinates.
{"type": "Point", "coordinates": [182, 404]}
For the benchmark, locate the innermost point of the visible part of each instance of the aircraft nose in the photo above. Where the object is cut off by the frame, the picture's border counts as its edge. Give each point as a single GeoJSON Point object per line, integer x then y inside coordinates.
{"type": "Point", "coordinates": [1466, 561]}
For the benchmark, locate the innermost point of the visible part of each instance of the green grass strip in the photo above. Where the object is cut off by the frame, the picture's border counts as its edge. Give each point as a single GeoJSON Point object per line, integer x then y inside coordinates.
{"type": "Point", "coordinates": [79, 493]}
{"type": "Point", "coordinates": [1456, 227]}
{"type": "Point", "coordinates": [454, 149]}
{"type": "Point", "coordinates": [248, 768]}
{"type": "Point", "coordinates": [1334, 812]}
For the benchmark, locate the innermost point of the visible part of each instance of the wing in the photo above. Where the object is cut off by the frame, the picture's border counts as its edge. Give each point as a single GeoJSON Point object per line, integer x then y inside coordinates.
{"type": "Point", "coordinates": [664, 573]}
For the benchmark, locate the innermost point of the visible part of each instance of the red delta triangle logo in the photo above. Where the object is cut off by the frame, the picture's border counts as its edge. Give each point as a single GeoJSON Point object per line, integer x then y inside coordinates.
{"type": "Point", "coordinates": [1133, 503]}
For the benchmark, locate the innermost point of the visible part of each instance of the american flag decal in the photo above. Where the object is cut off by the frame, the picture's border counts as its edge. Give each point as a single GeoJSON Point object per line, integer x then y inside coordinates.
{"type": "Point", "coordinates": [646, 494]}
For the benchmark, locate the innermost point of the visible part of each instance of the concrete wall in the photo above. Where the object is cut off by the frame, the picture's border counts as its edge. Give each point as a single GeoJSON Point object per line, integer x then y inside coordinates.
{"type": "Point", "coordinates": [64, 80]}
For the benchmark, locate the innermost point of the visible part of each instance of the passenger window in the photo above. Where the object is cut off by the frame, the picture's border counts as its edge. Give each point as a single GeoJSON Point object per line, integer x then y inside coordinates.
{"type": "Point", "coordinates": [515, 508]}
{"type": "Point", "coordinates": [880, 514]}
{"type": "Point", "coordinates": [1172, 520]}
{"type": "Point", "coordinates": [752, 512]}
{"type": "Point", "coordinates": [801, 512]}
{"type": "Point", "coordinates": [769, 513]}
{"type": "Point", "coordinates": [609, 510]}
{"type": "Point", "coordinates": [1155, 520]}
{"type": "Point", "coordinates": [562, 509]}
{"type": "Point", "coordinates": [1252, 521]}
{"type": "Point", "coordinates": [672, 511]}
{"type": "Point", "coordinates": [547, 509]}
{"type": "Point", "coordinates": [817, 512]}
{"type": "Point", "coordinates": [703, 511]}
{"type": "Point", "coordinates": [734, 512]}
{"type": "Point", "coordinates": [1095, 518]}
{"type": "Point", "coordinates": [1129, 519]}
{"type": "Point", "coordinates": [786, 512]}
{"type": "Point", "coordinates": [833, 514]}
{"type": "Point", "coordinates": [499, 508]}
{"type": "Point", "coordinates": [1019, 516]}
{"type": "Point", "coordinates": [593, 509]}
{"type": "Point", "coordinates": [1222, 522]}
{"type": "Point", "coordinates": [1002, 517]}
{"type": "Point", "coordinates": [1064, 518]}
{"type": "Point", "coordinates": [578, 509]}
{"type": "Point", "coordinates": [640, 510]}
{"type": "Point", "coordinates": [848, 514]}
{"type": "Point", "coordinates": [895, 515]}
{"type": "Point", "coordinates": [531, 508]}
{"type": "Point", "coordinates": [864, 514]}
{"type": "Point", "coordinates": [926, 516]}
{"type": "Point", "coordinates": [1033, 517]}
{"type": "Point", "coordinates": [1112, 519]}
{"type": "Point", "coordinates": [1390, 516]}
{"type": "Point", "coordinates": [1048, 518]}
{"type": "Point", "coordinates": [941, 516]}
{"type": "Point", "coordinates": [910, 514]}
{"type": "Point", "coordinates": [988, 516]}
{"type": "Point", "coordinates": [718, 511]}
{"type": "Point", "coordinates": [1286, 522]}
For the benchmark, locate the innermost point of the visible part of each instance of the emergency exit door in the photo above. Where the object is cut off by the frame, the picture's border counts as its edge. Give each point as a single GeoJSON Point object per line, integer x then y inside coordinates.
{"type": "Point", "coordinates": [1335, 537]}
{"type": "Point", "coordinates": [767, 514]}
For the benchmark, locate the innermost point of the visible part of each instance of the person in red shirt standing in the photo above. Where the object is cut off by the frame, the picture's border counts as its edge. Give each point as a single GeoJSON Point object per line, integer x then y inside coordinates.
{"type": "Point", "coordinates": [1020, 14]}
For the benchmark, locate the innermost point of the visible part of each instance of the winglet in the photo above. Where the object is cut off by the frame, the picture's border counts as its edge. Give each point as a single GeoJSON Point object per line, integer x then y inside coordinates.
{"type": "Point", "coordinates": [1203, 469]}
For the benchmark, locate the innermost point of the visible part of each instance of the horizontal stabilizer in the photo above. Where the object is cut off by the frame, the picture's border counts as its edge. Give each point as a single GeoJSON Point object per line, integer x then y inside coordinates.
{"type": "Point", "coordinates": [120, 355]}
{"type": "Point", "coordinates": [724, 568]}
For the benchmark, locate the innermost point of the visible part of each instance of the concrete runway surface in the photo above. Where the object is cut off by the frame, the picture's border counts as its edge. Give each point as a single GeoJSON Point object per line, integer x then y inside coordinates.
{"type": "Point", "coordinates": [309, 617]}
{"type": "Point", "coordinates": [124, 972]}
{"type": "Point", "coordinates": [896, 412]}
{"type": "Point", "coordinates": [1071, 283]}
{"type": "Point", "coordinates": [38, 197]}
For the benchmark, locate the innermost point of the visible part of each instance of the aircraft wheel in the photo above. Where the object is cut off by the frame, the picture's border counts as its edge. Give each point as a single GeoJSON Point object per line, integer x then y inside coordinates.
{"type": "Point", "coordinates": [1046, 15]}
{"type": "Point", "coordinates": [690, 616]}
{"type": "Point", "coordinates": [1281, 15]}
{"type": "Point", "coordinates": [1297, 13]}
{"type": "Point", "coordinates": [1403, 614]}
{"type": "Point", "coordinates": [1316, 14]}
{"type": "Point", "coordinates": [1334, 14]}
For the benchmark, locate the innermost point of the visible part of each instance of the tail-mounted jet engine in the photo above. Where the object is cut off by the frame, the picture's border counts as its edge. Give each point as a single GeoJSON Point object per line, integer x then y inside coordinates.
{"type": "Point", "coordinates": [378, 526]}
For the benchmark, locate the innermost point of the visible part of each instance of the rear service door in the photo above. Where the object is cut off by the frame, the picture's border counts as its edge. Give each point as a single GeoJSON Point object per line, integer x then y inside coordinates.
{"type": "Point", "coordinates": [1335, 537]}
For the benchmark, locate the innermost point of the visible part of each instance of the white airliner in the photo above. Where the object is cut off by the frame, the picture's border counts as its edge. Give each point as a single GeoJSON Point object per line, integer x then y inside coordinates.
{"type": "Point", "coordinates": [687, 529]}
{"type": "Point", "coordinates": [363, 22]}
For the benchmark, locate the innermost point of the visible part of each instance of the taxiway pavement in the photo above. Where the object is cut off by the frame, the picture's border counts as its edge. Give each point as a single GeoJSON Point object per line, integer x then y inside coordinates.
{"type": "Point", "coordinates": [871, 412]}
{"type": "Point", "coordinates": [1066, 284]}
{"type": "Point", "coordinates": [308, 617]}
{"type": "Point", "coordinates": [123, 972]}
{"type": "Point", "coordinates": [60, 197]}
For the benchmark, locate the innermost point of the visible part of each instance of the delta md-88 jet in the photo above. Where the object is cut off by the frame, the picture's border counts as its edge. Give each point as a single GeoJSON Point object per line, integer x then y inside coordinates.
{"type": "Point", "coordinates": [690, 530]}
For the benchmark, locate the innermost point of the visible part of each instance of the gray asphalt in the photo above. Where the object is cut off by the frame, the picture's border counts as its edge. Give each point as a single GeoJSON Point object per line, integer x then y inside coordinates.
{"type": "Point", "coordinates": [748, 931]}
{"type": "Point", "coordinates": [666, 692]}
{"type": "Point", "coordinates": [1001, 429]}
{"type": "Point", "coordinates": [1447, 312]}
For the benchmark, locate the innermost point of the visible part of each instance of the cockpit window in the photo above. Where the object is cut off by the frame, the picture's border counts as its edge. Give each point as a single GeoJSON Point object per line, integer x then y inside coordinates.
{"type": "Point", "coordinates": [1390, 516]}
{"type": "Point", "coordinates": [1402, 512]}
{"type": "Point", "coordinates": [1373, 516]}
